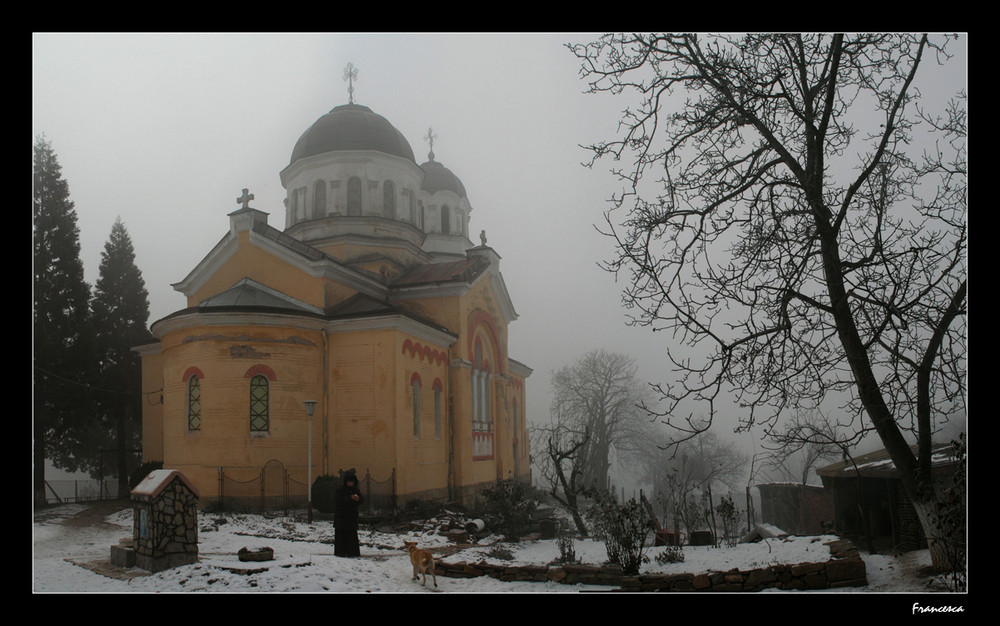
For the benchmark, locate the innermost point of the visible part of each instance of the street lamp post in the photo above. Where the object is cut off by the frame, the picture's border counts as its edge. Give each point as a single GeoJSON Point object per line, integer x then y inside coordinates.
{"type": "Point", "coordinates": [310, 407]}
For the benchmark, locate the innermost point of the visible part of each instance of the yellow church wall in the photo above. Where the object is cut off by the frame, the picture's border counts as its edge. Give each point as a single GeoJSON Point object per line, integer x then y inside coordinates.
{"type": "Point", "coordinates": [252, 262]}
{"type": "Point", "coordinates": [225, 357]}
{"type": "Point", "coordinates": [360, 413]}
{"type": "Point", "coordinates": [422, 443]}
{"type": "Point", "coordinates": [152, 404]}
{"type": "Point", "coordinates": [371, 410]}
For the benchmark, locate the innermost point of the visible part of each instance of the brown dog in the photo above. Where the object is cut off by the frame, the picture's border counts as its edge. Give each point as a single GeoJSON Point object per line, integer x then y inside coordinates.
{"type": "Point", "coordinates": [422, 560]}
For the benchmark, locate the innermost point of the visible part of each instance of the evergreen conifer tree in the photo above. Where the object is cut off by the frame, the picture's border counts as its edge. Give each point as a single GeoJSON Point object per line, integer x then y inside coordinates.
{"type": "Point", "coordinates": [120, 309]}
{"type": "Point", "coordinates": [62, 334]}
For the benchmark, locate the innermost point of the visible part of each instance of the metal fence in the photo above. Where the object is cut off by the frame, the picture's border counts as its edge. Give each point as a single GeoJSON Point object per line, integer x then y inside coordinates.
{"type": "Point", "coordinates": [729, 515]}
{"type": "Point", "coordinates": [87, 490]}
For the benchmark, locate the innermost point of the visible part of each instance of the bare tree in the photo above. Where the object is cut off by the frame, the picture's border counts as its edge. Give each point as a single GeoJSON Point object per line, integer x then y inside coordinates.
{"type": "Point", "coordinates": [806, 440]}
{"type": "Point", "coordinates": [561, 467]}
{"type": "Point", "coordinates": [781, 224]}
{"type": "Point", "coordinates": [685, 472]}
{"type": "Point", "coordinates": [600, 395]}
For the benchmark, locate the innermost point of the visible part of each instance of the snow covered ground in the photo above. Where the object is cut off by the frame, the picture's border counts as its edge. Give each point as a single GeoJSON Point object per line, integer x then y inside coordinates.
{"type": "Point", "coordinates": [71, 549]}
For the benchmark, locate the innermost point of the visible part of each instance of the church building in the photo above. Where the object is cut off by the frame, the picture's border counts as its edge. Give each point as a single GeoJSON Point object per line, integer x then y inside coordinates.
{"type": "Point", "coordinates": [369, 305]}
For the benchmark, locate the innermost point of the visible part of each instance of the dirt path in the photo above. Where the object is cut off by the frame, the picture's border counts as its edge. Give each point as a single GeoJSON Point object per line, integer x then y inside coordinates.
{"type": "Point", "coordinates": [93, 516]}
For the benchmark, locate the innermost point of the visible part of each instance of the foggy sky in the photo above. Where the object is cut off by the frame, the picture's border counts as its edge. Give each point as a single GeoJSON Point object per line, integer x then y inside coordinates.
{"type": "Point", "coordinates": [165, 130]}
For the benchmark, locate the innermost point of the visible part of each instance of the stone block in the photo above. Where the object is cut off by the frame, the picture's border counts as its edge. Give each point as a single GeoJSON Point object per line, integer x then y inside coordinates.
{"type": "Point", "coordinates": [846, 569]}
{"type": "Point", "coordinates": [122, 556]}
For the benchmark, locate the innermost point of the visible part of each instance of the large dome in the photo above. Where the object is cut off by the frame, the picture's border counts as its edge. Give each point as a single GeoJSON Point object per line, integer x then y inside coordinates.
{"type": "Point", "coordinates": [351, 127]}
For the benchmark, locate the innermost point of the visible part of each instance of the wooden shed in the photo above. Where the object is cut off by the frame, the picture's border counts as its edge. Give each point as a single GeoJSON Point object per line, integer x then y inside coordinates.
{"type": "Point", "coordinates": [870, 503]}
{"type": "Point", "coordinates": [796, 508]}
{"type": "Point", "coordinates": [165, 521]}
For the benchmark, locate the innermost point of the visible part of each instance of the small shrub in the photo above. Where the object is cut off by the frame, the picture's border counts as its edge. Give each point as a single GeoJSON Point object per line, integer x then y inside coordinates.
{"type": "Point", "coordinates": [624, 529]}
{"type": "Point", "coordinates": [951, 520]}
{"type": "Point", "coordinates": [500, 552]}
{"type": "Point", "coordinates": [324, 493]}
{"type": "Point", "coordinates": [726, 510]}
{"type": "Point", "coordinates": [670, 554]}
{"type": "Point", "coordinates": [567, 549]}
{"type": "Point", "coordinates": [509, 506]}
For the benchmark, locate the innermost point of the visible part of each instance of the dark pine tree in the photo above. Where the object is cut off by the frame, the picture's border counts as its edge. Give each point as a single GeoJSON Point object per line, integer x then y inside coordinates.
{"type": "Point", "coordinates": [62, 334]}
{"type": "Point", "coordinates": [120, 309]}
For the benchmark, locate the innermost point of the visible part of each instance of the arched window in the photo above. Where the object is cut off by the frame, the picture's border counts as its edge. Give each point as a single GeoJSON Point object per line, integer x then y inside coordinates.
{"type": "Point", "coordinates": [259, 416]}
{"type": "Point", "coordinates": [194, 403]}
{"type": "Point", "coordinates": [437, 409]}
{"type": "Point", "coordinates": [354, 196]}
{"type": "Point", "coordinates": [481, 416]}
{"type": "Point", "coordinates": [319, 199]}
{"type": "Point", "coordinates": [415, 383]}
{"type": "Point", "coordinates": [445, 220]}
{"type": "Point", "coordinates": [389, 200]}
{"type": "Point", "coordinates": [411, 208]}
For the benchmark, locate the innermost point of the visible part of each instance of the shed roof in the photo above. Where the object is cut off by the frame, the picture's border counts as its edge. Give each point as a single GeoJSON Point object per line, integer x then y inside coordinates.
{"type": "Point", "coordinates": [877, 464]}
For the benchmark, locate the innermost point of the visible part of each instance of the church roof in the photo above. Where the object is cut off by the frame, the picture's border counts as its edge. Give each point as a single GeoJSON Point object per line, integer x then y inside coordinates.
{"type": "Point", "coordinates": [448, 271]}
{"type": "Point", "coordinates": [351, 127]}
{"type": "Point", "coordinates": [360, 305]}
{"type": "Point", "coordinates": [437, 177]}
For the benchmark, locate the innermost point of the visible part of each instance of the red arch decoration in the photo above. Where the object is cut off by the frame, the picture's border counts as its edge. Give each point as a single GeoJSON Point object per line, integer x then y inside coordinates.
{"type": "Point", "coordinates": [484, 319]}
{"type": "Point", "coordinates": [260, 368]}
{"type": "Point", "coordinates": [422, 352]}
{"type": "Point", "coordinates": [416, 378]}
{"type": "Point", "coordinates": [437, 386]}
{"type": "Point", "coordinates": [192, 371]}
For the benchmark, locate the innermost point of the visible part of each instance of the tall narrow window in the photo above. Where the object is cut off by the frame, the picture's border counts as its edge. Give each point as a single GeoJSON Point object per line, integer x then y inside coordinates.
{"type": "Point", "coordinates": [194, 403]}
{"type": "Point", "coordinates": [445, 220]}
{"type": "Point", "coordinates": [354, 196]}
{"type": "Point", "coordinates": [259, 417]}
{"type": "Point", "coordinates": [416, 406]}
{"type": "Point", "coordinates": [437, 409]}
{"type": "Point", "coordinates": [319, 199]}
{"type": "Point", "coordinates": [389, 200]}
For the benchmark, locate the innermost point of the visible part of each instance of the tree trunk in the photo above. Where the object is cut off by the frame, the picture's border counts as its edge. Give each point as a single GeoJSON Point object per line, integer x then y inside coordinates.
{"type": "Point", "coordinates": [122, 457]}
{"type": "Point", "coordinates": [577, 518]}
{"type": "Point", "coordinates": [945, 539]}
{"type": "Point", "coordinates": [39, 467]}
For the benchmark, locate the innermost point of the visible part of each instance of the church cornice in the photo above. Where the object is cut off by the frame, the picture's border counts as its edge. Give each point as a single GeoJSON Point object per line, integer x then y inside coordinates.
{"type": "Point", "coordinates": [388, 319]}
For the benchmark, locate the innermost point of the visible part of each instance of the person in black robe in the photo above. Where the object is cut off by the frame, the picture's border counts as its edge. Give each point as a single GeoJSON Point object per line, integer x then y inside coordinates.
{"type": "Point", "coordinates": [345, 517]}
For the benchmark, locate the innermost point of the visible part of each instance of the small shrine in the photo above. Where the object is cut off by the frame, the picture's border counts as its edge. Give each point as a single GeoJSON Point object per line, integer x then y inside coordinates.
{"type": "Point", "coordinates": [165, 521]}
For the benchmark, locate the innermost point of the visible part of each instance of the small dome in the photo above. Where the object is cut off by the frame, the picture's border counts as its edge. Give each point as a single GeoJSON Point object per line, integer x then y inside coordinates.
{"type": "Point", "coordinates": [438, 177]}
{"type": "Point", "coordinates": [351, 127]}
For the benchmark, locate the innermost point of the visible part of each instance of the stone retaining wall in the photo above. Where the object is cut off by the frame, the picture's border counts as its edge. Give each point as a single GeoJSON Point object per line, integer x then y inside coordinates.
{"type": "Point", "coordinates": [844, 569]}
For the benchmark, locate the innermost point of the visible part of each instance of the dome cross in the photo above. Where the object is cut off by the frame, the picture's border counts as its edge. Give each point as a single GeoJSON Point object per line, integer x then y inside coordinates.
{"type": "Point", "coordinates": [429, 138]}
{"type": "Point", "coordinates": [350, 75]}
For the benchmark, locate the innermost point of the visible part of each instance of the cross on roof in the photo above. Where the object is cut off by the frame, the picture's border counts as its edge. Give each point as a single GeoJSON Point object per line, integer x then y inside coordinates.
{"type": "Point", "coordinates": [350, 75]}
{"type": "Point", "coordinates": [429, 138]}
{"type": "Point", "coordinates": [245, 199]}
